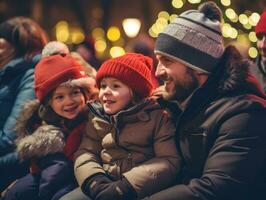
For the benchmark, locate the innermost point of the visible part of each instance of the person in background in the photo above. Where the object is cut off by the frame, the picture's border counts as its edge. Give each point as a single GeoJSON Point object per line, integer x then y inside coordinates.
{"type": "Point", "coordinates": [21, 42]}
{"type": "Point", "coordinates": [260, 69]}
{"type": "Point", "coordinates": [221, 128]}
{"type": "Point", "coordinates": [50, 129]}
{"type": "Point", "coordinates": [128, 150]}
{"type": "Point", "coordinates": [87, 51]}
{"type": "Point", "coordinates": [144, 44]}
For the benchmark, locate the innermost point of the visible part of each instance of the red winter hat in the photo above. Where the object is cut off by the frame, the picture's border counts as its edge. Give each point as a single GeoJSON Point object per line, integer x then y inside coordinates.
{"type": "Point", "coordinates": [52, 71]}
{"type": "Point", "coordinates": [132, 69]}
{"type": "Point", "coordinates": [261, 25]}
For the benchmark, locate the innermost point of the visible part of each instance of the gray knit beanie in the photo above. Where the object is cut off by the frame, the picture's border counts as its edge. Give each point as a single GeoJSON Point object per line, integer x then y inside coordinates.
{"type": "Point", "coordinates": [194, 38]}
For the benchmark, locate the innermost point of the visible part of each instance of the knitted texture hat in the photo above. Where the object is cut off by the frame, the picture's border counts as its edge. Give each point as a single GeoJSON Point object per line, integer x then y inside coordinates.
{"type": "Point", "coordinates": [52, 71]}
{"type": "Point", "coordinates": [194, 38]}
{"type": "Point", "coordinates": [261, 25]}
{"type": "Point", "coordinates": [55, 47]}
{"type": "Point", "coordinates": [132, 69]}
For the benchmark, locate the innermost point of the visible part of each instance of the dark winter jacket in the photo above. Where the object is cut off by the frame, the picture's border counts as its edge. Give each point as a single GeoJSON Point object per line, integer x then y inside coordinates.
{"type": "Point", "coordinates": [50, 150]}
{"type": "Point", "coordinates": [16, 87]}
{"type": "Point", "coordinates": [137, 144]}
{"type": "Point", "coordinates": [259, 72]}
{"type": "Point", "coordinates": [222, 137]}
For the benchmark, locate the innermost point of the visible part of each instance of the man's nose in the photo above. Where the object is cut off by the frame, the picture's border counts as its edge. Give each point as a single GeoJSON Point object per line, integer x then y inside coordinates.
{"type": "Point", "coordinates": [159, 70]}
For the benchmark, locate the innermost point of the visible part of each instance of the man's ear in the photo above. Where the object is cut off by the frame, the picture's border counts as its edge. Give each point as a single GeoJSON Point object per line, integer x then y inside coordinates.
{"type": "Point", "coordinates": [202, 77]}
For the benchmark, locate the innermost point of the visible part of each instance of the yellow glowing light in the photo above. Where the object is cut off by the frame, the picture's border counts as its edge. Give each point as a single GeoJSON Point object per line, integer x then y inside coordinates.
{"type": "Point", "coordinates": [234, 33]}
{"type": "Point", "coordinates": [172, 17]}
{"type": "Point", "coordinates": [98, 33]}
{"type": "Point", "coordinates": [163, 14]}
{"type": "Point", "coordinates": [253, 52]}
{"type": "Point", "coordinates": [62, 35]}
{"type": "Point", "coordinates": [252, 36]}
{"type": "Point", "coordinates": [113, 33]}
{"type": "Point", "coordinates": [116, 51]}
{"type": "Point", "coordinates": [61, 24]}
{"type": "Point", "coordinates": [226, 2]}
{"type": "Point", "coordinates": [235, 19]}
{"type": "Point", "coordinates": [230, 13]}
{"type": "Point", "coordinates": [160, 24]}
{"type": "Point", "coordinates": [194, 1]}
{"type": "Point", "coordinates": [254, 18]}
{"type": "Point", "coordinates": [177, 3]}
{"type": "Point", "coordinates": [161, 21]}
{"type": "Point", "coordinates": [243, 19]}
{"type": "Point", "coordinates": [154, 29]}
{"type": "Point", "coordinates": [100, 45]}
{"type": "Point", "coordinates": [152, 34]}
{"type": "Point", "coordinates": [226, 30]}
{"type": "Point", "coordinates": [62, 31]}
{"type": "Point", "coordinates": [247, 26]}
{"type": "Point", "coordinates": [77, 35]}
{"type": "Point", "coordinates": [131, 26]}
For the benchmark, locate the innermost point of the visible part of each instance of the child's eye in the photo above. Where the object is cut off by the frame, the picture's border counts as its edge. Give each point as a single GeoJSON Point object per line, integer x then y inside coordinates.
{"type": "Point", "coordinates": [76, 92]}
{"type": "Point", "coordinates": [59, 97]}
{"type": "Point", "coordinates": [116, 86]}
{"type": "Point", "coordinates": [103, 86]}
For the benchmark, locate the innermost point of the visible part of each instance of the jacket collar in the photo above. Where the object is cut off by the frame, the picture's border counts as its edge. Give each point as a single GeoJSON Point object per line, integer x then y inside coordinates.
{"type": "Point", "coordinates": [132, 114]}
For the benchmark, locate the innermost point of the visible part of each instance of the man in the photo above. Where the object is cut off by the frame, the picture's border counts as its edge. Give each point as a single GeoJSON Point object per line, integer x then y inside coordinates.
{"type": "Point", "coordinates": [221, 129]}
{"type": "Point", "coordinates": [260, 70]}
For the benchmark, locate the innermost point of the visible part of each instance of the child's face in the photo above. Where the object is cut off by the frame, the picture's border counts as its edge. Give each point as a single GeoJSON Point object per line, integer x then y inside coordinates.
{"type": "Point", "coordinates": [67, 101]}
{"type": "Point", "coordinates": [114, 95]}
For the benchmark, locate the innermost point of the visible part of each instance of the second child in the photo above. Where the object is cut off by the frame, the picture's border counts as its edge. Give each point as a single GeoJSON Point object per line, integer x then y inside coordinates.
{"type": "Point", "coordinates": [49, 130]}
{"type": "Point", "coordinates": [128, 150]}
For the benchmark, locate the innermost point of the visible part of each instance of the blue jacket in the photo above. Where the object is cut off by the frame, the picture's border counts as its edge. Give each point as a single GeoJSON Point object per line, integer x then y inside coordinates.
{"type": "Point", "coordinates": [16, 87]}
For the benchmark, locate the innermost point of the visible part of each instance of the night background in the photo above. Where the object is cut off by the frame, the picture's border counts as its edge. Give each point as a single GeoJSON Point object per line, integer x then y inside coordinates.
{"type": "Point", "coordinates": [71, 21]}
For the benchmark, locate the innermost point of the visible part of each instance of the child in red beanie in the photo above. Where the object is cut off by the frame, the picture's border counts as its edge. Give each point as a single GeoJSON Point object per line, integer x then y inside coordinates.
{"type": "Point", "coordinates": [49, 129]}
{"type": "Point", "coordinates": [128, 150]}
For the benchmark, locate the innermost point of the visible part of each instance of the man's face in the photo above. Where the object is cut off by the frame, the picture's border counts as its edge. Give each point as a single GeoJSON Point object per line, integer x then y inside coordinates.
{"type": "Point", "coordinates": [179, 80]}
{"type": "Point", "coordinates": [261, 44]}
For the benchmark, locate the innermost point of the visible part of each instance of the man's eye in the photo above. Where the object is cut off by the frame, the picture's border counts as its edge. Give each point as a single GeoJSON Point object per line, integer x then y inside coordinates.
{"type": "Point", "coordinates": [166, 61]}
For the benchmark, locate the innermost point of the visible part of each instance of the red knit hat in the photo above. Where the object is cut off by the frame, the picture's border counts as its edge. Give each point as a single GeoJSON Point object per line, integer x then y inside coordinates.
{"type": "Point", "coordinates": [132, 69]}
{"type": "Point", "coordinates": [52, 71]}
{"type": "Point", "coordinates": [261, 25]}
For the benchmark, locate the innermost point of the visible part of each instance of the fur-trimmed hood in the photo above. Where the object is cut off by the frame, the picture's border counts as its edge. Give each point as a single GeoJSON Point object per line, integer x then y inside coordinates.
{"type": "Point", "coordinates": [234, 75]}
{"type": "Point", "coordinates": [33, 142]}
{"type": "Point", "coordinates": [45, 140]}
{"type": "Point", "coordinates": [27, 118]}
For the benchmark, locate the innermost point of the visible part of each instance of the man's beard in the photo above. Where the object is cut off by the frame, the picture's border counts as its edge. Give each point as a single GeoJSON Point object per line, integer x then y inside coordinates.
{"type": "Point", "coordinates": [182, 90]}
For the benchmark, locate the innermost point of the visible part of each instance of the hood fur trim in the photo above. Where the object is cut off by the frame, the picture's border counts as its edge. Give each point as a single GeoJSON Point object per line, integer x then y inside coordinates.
{"type": "Point", "coordinates": [234, 73]}
{"type": "Point", "coordinates": [25, 117]}
{"type": "Point", "coordinates": [45, 140]}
